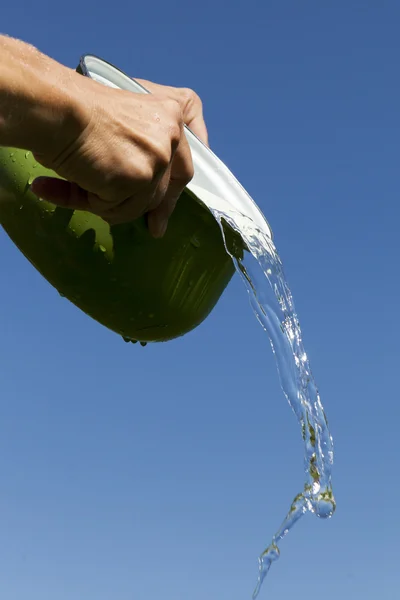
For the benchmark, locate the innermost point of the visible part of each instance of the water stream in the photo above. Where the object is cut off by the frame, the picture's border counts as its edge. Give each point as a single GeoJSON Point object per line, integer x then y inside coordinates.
{"type": "Point", "coordinates": [261, 271]}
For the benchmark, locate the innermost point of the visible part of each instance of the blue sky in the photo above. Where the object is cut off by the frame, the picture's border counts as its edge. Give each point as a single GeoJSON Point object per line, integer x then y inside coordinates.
{"type": "Point", "coordinates": [162, 472]}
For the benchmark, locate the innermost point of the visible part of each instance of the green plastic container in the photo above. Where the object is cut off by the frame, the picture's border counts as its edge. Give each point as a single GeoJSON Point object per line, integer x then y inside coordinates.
{"type": "Point", "coordinates": [144, 289]}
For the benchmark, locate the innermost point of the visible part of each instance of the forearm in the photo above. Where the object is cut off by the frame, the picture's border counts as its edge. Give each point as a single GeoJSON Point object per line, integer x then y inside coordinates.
{"type": "Point", "coordinates": [38, 98]}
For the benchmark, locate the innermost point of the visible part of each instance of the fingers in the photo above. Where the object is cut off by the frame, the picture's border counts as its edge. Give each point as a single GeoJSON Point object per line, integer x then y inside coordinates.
{"type": "Point", "coordinates": [157, 219]}
{"type": "Point", "coordinates": [133, 159]}
{"type": "Point", "coordinates": [160, 204]}
{"type": "Point", "coordinates": [60, 192]}
{"type": "Point", "coordinates": [192, 108]}
{"type": "Point", "coordinates": [181, 173]}
{"type": "Point", "coordinates": [198, 127]}
{"type": "Point", "coordinates": [190, 102]}
{"type": "Point", "coordinates": [69, 195]}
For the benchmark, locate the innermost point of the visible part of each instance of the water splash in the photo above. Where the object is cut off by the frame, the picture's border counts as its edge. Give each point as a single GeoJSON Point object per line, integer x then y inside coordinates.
{"type": "Point", "coordinates": [261, 270]}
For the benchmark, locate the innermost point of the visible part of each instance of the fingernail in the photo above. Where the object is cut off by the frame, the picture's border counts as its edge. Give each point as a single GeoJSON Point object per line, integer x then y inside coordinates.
{"type": "Point", "coordinates": [158, 226]}
{"type": "Point", "coordinates": [162, 227]}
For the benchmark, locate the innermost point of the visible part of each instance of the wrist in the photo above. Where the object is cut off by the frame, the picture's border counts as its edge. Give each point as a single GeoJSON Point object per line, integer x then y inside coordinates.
{"type": "Point", "coordinates": [41, 104]}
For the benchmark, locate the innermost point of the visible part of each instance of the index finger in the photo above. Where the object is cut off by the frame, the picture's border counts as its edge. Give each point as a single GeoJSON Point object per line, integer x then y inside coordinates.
{"type": "Point", "coordinates": [181, 174]}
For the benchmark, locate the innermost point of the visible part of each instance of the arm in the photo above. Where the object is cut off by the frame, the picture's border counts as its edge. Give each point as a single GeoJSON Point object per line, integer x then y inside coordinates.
{"type": "Point", "coordinates": [121, 155]}
{"type": "Point", "coordinates": [37, 101]}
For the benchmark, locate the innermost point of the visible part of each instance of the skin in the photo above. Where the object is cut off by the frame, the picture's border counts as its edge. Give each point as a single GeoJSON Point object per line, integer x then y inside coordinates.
{"type": "Point", "coordinates": [120, 155]}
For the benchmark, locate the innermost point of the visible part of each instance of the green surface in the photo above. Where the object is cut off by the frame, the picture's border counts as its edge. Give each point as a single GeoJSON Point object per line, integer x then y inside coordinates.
{"type": "Point", "coordinates": [142, 288]}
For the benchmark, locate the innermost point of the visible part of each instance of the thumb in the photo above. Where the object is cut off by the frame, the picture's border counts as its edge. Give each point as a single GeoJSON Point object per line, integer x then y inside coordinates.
{"type": "Point", "coordinates": [60, 192]}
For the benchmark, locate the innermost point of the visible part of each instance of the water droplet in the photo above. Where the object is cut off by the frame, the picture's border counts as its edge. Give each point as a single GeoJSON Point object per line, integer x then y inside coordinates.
{"type": "Point", "coordinates": [143, 344]}
{"type": "Point", "coordinates": [127, 340]}
{"type": "Point", "coordinates": [34, 166]}
{"type": "Point", "coordinates": [61, 294]}
{"type": "Point", "coordinates": [30, 180]}
{"type": "Point", "coordinates": [195, 242]}
{"type": "Point", "coordinates": [27, 154]}
{"type": "Point", "coordinates": [102, 249]}
{"type": "Point", "coordinates": [11, 154]}
{"type": "Point", "coordinates": [14, 160]}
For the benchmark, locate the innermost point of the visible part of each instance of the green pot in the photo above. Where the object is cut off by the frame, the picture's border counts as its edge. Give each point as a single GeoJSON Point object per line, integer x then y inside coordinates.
{"type": "Point", "coordinates": [144, 289]}
{"type": "Point", "coordinates": [140, 287]}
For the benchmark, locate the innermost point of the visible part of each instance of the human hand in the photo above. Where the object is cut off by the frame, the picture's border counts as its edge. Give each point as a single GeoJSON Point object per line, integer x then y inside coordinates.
{"type": "Point", "coordinates": [129, 156]}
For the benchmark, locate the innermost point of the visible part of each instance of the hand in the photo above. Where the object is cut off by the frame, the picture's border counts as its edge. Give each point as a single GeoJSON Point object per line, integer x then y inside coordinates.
{"type": "Point", "coordinates": [130, 156]}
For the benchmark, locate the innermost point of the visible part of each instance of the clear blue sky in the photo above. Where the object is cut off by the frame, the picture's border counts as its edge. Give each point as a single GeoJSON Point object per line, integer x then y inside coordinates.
{"type": "Point", "coordinates": [160, 473]}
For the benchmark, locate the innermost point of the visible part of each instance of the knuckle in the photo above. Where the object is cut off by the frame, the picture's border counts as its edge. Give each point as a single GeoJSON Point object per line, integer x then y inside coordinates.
{"type": "Point", "coordinates": [175, 132]}
{"type": "Point", "coordinates": [173, 107]}
{"type": "Point", "coordinates": [161, 152]}
{"type": "Point", "coordinates": [185, 174]}
{"type": "Point", "coordinates": [190, 97]}
{"type": "Point", "coordinates": [175, 115]}
{"type": "Point", "coordinates": [144, 173]}
{"type": "Point", "coordinates": [189, 174]}
{"type": "Point", "coordinates": [118, 188]}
